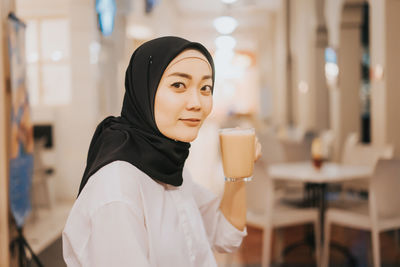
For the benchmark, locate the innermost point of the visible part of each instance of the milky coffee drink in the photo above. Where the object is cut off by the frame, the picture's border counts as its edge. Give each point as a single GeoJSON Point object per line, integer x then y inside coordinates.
{"type": "Point", "coordinates": [238, 150]}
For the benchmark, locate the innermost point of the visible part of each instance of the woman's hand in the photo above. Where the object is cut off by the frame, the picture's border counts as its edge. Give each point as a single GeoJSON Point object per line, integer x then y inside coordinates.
{"type": "Point", "coordinates": [233, 204]}
{"type": "Point", "coordinates": [258, 152]}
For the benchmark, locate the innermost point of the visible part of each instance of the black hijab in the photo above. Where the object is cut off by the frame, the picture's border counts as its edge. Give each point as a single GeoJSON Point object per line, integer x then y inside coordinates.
{"type": "Point", "coordinates": [134, 137]}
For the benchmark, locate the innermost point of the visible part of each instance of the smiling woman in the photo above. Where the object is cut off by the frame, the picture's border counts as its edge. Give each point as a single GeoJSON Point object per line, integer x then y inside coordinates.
{"type": "Point", "coordinates": [184, 96]}
{"type": "Point", "coordinates": [137, 205]}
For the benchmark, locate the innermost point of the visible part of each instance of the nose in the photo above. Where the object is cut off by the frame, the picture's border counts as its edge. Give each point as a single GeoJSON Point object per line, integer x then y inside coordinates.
{"type": "Point", "coordinates": [193, 102]}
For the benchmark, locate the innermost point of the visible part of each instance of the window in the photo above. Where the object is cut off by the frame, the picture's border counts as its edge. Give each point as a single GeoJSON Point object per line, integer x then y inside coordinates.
{"type": "Point", "coordinates": [48, 68]}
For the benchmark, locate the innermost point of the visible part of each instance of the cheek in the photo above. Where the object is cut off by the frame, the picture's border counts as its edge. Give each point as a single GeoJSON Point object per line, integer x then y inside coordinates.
{"type": "Point", "coordinates": [166, 108]}
{"type": "Point", "coordinates": [207, 106]}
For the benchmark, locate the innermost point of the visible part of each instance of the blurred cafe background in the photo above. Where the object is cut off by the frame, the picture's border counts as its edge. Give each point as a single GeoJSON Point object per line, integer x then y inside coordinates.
{"type": "Point", "coordinates": [319, 80]}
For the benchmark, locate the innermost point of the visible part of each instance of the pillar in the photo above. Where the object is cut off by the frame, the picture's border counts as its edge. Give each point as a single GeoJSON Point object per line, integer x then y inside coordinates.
{"type": "Point", "coordinates": [344, 97]}
{"type": "Point", "coordinates": [385, 65]}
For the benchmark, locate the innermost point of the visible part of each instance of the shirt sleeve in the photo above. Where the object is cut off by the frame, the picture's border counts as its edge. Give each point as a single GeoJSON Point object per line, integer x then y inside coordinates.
{"type": "Point", "coordinates": [222, 235]}
{"type": "Point", "coordinates": [118, 237]}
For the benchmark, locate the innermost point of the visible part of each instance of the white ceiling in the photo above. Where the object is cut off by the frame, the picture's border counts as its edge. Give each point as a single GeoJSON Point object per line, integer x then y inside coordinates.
{"type": "Point", "coordinates": [253, 17]}
{"type": "Point", "coordinates": [205, 7]}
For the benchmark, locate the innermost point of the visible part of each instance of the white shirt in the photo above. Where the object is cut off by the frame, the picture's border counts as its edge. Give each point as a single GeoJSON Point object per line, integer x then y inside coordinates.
{"type": "Point", "coordinates": [124, 218]}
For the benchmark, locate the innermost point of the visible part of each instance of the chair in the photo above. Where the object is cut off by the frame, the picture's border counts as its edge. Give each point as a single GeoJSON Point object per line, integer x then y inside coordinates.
{"type": "Point", "coordinates": [327, 137]}
{"type": "Point", "coordinates": [379, 214]}
{"type": "Point", "coordinates": [266, 211]}
{"type": "Point", "coordinates": [355, 153]}
{"type": "Point", "coordinates": [275, 151]}
{"type": "Point", "coordinates": [362, 154]}
{"type": "Point", "coordinates": [292, 133]}
{"type": "Point", "coordinates": [351, 141]}
{"type": "Point", "coordinates": [41, 188]}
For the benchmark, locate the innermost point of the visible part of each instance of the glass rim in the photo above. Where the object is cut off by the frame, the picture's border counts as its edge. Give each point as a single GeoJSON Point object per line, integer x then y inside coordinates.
{"type": "Point", "coordinates": [233, 129]}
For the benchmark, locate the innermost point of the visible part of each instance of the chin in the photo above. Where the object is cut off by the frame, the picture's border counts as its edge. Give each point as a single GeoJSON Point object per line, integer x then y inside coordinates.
{"type": "Point", "coordinates": [182, 133]}
{"type": "Point", "coordinates": [187, 135]}
{"type": "Point", "coordinates": [187, 139]}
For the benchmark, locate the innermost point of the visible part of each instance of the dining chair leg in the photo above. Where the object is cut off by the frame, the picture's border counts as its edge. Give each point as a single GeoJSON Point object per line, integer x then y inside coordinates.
{"type": "Point", "coordinates": [317, 234]}
{"type": "Point", "coordinates": [266, 250]}
{"type": "Point", "coordinates": [278, 245]}
{"type": "Point", "coordinates": [327, 237]}
{"type": "Point", "coordinates": [376, 257]}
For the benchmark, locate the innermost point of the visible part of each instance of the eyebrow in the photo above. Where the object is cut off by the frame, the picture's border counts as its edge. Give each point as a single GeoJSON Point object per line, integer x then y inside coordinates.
{"type": "Point", "coordinates": [187, 76]}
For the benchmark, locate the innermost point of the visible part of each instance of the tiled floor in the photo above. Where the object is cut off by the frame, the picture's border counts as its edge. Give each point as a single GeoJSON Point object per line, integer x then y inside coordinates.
{"type": "Point", "coordinates": [249, 255]}
{"type": "Point", "coordinates": [358, 242]}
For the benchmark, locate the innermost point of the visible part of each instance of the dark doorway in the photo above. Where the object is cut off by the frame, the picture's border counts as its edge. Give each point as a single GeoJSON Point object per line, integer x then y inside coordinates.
{"type": "Point", "coordinates": [365, 90]}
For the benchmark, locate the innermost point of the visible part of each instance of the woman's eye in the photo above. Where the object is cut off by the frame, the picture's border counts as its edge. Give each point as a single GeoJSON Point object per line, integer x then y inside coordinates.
{"type": "Point", "coordinates": [206, 89]}
{"type": "Point", "coordinates": [178, 85]}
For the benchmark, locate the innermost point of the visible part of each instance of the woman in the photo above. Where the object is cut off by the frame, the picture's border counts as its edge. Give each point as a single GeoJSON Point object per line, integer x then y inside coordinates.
{"type": "Point", "coordinates": [140, 207]}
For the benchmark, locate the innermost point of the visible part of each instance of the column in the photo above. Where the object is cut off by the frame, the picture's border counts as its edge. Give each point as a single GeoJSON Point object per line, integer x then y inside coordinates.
{"type": "Point", "coordinates": [281, 96]}
{"type": "Point", "coordinates": [309, 39]}
{"type": "Point", "coordinates": [321, 100]}
{"type": "Point", "coordinates": [112, 64]}
{"type": "Point", "coordinates": [385, 65]}
{"type": "Point", "coordinates": [344, 99]}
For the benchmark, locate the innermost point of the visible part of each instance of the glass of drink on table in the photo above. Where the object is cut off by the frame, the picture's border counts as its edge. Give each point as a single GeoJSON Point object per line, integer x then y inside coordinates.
{"type": "Point", "coordinates": [237, 150]}
{"type": "Point", "coordinates": [316, 153]}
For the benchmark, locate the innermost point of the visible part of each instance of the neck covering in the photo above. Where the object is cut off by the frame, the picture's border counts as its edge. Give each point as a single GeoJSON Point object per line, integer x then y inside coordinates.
{"type": "Point", "coordinates": [134, 137]}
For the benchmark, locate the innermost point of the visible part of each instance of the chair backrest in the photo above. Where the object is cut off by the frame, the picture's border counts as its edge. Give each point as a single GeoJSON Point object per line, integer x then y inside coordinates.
{"type": "Point", "coordinates": [327, 137]}
{"type": "Point", "coordinates": [291, 133]}
{"type": "Point", "coordinates": [387, 152]}
{"type": "Point", "coordinates": [259, 195]}
{"type": "Point", "coordinates": [349, 144]}
{"type": "Point", "coordinates": [385, 188]}
{"type": "Point", "coordinates": [38, 165]}
{"type": "Point", "coordinates": [272, 148]}
{"type": "Point", "coordinates": [367, 155]}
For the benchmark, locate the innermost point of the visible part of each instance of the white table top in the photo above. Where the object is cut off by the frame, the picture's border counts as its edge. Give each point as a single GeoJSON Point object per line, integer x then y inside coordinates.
{"type": "Point", "coordinates": [329, 173]}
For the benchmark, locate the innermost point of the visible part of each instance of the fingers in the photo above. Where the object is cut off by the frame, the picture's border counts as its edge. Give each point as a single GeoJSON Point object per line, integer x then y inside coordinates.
{"type": "Point", "coordinates": [258, 148]}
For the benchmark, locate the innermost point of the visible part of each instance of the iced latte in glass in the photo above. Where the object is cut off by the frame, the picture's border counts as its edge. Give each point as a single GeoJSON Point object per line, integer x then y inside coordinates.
{"type": "Point", "coordinates": [237, 150]}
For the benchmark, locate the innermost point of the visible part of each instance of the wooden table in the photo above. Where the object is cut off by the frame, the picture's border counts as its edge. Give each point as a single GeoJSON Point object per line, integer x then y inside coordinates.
{"type": "Point", "coordinates": [329, 173]}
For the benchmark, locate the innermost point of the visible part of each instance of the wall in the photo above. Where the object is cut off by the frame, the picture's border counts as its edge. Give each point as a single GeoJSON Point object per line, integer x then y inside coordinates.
{"type": "Point", "coordinates": [266, 64]}
{"type": "Point", "coordinates": [385, 92]}
{"type": "Point", "coordinates": [73, 123]}
{"type": "Point", "coordinates": [280, 92]}
{"type": "Point", "coordinates": [76, 122]}
{"type": "Point", "coordinates": [5, 7]}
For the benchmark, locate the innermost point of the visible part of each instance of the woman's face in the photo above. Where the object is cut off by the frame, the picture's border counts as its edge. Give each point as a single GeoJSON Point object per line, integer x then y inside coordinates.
{"type": "Point", "coordinates": [183, 98]}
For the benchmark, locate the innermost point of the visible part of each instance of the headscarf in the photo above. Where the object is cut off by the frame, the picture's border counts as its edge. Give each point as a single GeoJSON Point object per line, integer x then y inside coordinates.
{"type": "Point", "coordinates": [134, 137]}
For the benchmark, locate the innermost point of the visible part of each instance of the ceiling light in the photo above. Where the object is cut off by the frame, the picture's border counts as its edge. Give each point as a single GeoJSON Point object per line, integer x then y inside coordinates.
{"type": "Point", "coordinates": [56, 55]}
{"type": "Point", "coordinates": [228, 1]}
{"type": "Point", "coordinates": [303, 87]}
{"type": "Point", "coordinates": [140, 32]}
{"type": "Point", "coordinates": [225, 42]}
{"type": "Point", "coordinates": [225, 24]}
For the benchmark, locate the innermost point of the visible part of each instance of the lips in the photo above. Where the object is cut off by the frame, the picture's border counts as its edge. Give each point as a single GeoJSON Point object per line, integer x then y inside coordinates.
{"type": "Point", "coordinates": [191, 121]}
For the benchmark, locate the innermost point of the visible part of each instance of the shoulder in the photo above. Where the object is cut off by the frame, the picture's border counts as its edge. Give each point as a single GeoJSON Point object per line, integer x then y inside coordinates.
{"type": "Point", "coordinates": [118, 181]}
{"type": "Point", "coordinates": [119, 168]}
{"type": "Point", "coordinates": [114, 190]}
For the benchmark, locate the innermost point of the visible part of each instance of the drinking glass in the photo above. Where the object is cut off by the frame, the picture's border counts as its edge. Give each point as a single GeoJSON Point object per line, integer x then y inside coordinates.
{"type": "Point", "coordinates": [237, 150]}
